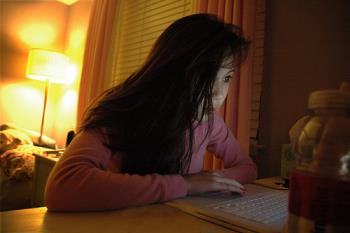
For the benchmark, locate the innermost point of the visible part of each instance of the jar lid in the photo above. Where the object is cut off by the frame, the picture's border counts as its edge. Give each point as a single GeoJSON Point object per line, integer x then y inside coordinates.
{"type": "Point", "coordinates": [331, 98]}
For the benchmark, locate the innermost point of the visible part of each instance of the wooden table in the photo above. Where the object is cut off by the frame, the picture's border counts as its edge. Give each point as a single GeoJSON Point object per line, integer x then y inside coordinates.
{"type": "Point", "coordinates": [157, 218]}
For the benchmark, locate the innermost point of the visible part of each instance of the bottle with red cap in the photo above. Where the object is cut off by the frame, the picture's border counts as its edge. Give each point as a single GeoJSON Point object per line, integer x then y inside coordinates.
{"type": "Point", "coordinates": [319, 189]}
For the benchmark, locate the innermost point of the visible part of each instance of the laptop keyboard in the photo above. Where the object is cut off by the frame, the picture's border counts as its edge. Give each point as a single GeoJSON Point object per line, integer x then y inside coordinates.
{"type": "Point", "coordinates": [264, 207]}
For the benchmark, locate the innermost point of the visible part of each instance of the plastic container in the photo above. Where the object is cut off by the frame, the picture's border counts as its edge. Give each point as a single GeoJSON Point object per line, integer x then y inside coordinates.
{"type": "Point", "coordinates": [319, 198]}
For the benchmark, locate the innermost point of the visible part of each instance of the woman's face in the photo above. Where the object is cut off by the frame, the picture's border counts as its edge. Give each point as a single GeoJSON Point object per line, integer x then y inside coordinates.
{"type": "Point", "coordinates": [221, 84]}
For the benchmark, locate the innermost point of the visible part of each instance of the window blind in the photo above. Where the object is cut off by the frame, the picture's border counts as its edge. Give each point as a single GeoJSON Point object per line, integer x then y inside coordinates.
{"type": "Point", "coordinates": [140, 24]}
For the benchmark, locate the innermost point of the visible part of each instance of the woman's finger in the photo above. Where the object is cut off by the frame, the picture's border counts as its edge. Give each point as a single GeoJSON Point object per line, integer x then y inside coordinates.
{"type": "Point", "coordinates": [228, 181]}
{"type": "Point", "coordinates": [216, 174]}
{"type": "Point", "coordinates": [227, 187]}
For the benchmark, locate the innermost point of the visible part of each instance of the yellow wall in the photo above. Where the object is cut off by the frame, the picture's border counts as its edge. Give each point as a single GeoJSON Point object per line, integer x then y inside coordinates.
{"type": "Point", "coordinates": [48, 25]}
{"type": "Point", "coordinates": [75, 42]}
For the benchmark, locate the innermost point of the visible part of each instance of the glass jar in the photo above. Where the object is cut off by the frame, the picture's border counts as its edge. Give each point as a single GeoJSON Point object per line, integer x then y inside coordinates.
{"type": "Point", "coordinates": [319, 190]}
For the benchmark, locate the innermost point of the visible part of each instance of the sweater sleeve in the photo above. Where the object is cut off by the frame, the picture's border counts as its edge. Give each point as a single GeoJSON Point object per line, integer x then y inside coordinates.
{"type": "Point", "coordinates": [237, 165]}
{"type": "Point", "coordinates": [80, 181]}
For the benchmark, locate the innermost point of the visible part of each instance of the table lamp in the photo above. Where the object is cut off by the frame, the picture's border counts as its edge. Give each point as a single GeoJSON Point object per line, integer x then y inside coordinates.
{"type": "Point", "coordinates": [50, 67]}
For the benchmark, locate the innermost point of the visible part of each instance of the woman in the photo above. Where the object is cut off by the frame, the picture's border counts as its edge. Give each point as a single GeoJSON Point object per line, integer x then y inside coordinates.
{"type": "Point", "coordinates": [144, 140]}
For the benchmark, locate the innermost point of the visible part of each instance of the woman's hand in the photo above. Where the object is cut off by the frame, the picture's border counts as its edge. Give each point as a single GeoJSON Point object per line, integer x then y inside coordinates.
{"type": "Point", "coordinates": [211, 181]}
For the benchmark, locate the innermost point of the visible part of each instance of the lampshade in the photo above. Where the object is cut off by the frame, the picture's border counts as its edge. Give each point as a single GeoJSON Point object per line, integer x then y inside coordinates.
{"type": "Point", "coordinates": [68, 2]}
{"type": "Point", "coordinates": [47, 65]}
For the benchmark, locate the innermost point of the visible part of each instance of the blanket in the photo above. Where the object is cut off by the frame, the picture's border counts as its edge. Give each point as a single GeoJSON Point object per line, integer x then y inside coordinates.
{"type": "Point", "coordinates": [17, 146]}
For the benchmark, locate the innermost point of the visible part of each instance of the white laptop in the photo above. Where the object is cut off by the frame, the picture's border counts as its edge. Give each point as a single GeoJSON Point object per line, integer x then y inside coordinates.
{"type": "Point", "coordinates": [261, 209]}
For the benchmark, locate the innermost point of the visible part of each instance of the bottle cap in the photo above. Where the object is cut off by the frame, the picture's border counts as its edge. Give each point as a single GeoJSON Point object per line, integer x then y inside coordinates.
{"type": "Point", "coordinates": [331, 98]}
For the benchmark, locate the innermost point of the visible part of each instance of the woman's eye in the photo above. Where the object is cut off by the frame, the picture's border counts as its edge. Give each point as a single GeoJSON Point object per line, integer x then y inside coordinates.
{"type": "Point", "coordinates": [227, 78]}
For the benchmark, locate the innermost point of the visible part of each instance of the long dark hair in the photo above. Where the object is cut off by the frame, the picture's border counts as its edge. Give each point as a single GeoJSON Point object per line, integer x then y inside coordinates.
{"type": "Point", "coordinates": [151, 116]}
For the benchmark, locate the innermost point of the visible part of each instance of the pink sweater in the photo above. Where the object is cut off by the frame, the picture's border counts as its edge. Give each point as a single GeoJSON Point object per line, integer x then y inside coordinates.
{"type": "Point", "coordinates": [83, 181]}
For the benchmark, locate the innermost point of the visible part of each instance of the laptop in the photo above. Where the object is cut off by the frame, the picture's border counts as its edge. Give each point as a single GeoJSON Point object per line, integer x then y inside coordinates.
{"type": "Point", "coordinates": [261, 209]}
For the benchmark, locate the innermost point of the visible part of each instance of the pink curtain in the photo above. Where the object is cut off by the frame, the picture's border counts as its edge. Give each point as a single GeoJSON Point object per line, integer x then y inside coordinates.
{"type": "Point", "coordinates": [236, 110]}
{"type": "Point", "coordinates": [97, 53]}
